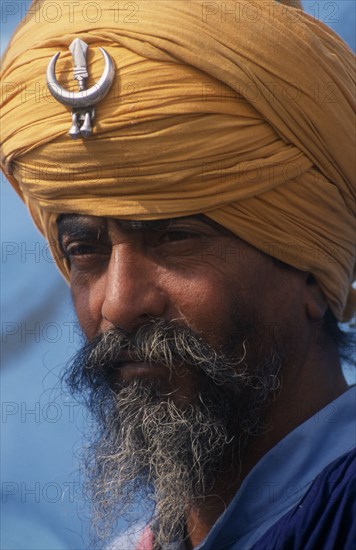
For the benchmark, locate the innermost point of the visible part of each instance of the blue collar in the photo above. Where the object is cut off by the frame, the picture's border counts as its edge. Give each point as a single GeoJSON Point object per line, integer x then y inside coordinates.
{"type": "Point", "coordinates": [281, 478]}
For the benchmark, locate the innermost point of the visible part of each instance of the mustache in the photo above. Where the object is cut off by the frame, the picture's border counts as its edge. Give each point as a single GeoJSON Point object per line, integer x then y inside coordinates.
{"type": "Point", "coordinates": [157, 342]}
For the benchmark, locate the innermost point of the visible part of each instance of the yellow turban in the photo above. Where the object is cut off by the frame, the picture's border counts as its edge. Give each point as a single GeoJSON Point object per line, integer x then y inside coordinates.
{"type": "Point", "coordinates": [240, 110]}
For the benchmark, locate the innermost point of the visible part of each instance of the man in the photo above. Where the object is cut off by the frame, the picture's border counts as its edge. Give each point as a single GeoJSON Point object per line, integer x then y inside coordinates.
{"type": "Point", "coordinates": [206, 227]}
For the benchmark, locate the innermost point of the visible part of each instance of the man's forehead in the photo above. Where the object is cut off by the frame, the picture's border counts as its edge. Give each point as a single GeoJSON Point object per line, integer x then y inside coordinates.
{"type": "Point", "coordinates": [70, 222]}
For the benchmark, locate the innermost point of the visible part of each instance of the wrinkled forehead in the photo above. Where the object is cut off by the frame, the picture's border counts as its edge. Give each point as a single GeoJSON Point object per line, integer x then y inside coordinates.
{"type": "Point", "coordinates": [75, 223]}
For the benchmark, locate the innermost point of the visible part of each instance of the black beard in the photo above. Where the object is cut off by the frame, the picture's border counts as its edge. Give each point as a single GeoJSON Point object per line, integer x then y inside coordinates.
{"type": "Point", "coordinates": [146, 442]}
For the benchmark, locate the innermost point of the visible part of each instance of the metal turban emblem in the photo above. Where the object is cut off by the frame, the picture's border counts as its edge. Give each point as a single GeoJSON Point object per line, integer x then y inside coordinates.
{"type": "Point", "coordinates": [82, 102]}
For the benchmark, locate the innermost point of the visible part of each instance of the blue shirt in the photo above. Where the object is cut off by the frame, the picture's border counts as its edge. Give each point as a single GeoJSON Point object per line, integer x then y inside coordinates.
{"type": "Point", "coordinates": [283, 476]}
{"type": "Point", "coordinates": [324, 518]}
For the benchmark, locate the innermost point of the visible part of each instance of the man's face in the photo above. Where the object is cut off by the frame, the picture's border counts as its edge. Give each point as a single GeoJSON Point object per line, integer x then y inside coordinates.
{"type": "Point", "coordinates": [189, 270]}
{"type": "Point", "coordinates": [187, 327]}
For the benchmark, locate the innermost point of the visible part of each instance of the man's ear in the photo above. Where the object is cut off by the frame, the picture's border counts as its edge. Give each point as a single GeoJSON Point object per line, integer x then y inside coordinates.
{"type": "Point", "coordinates": [315, 301]}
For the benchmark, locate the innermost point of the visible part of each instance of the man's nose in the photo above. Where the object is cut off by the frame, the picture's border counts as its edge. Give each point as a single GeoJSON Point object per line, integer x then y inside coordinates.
{"type": "Point", "coordinates": [132, 295]}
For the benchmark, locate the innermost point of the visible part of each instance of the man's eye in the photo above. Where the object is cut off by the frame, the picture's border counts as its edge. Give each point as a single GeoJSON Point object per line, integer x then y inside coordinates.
{"type": "Point", "coordinates": [83, 252]}
{"type": "Point", "coordinates": [80, 250]}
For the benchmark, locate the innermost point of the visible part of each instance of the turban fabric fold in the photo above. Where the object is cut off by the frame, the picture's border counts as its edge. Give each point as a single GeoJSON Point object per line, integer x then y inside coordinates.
{"type": "Point", "coordinates": [243, 111]}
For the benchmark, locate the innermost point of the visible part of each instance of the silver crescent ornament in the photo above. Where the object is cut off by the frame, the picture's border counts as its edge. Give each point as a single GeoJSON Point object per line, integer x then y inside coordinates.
{"type": "Point", "coordinates": [82, 102]}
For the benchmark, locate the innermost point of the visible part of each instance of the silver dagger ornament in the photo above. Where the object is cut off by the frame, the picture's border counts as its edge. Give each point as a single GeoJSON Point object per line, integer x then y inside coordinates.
{"type": "Point", "coordinates": [82, 102]}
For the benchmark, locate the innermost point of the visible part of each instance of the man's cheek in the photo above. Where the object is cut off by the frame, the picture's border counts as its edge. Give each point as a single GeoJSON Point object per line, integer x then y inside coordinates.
{"type": "Point", "coordinates": [214, 332]}
{"type": "Point", "coordinates": [88, 309]}
{"type": "Point", "coordinates": [208, 316]}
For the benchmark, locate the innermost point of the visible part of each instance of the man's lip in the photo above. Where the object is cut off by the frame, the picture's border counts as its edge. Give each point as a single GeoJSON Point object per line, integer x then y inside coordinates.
{"type": "Point", "coordinates": [131, 368]}
{"type": "Point", "coordinates": [125, 357]}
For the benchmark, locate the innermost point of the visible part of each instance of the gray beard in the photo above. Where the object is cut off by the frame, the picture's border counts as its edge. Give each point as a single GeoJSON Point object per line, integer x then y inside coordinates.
{"type": "Point", "coordinates": [172, 454]}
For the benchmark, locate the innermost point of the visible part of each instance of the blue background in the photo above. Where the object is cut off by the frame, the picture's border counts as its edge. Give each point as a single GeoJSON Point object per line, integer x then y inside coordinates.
{"type": "Point", "coordinates": [41, 503]}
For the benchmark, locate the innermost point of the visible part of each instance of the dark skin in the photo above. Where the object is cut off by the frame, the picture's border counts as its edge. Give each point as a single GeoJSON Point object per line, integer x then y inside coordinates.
{"type": "Point", "coordinates": [125, 273]}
